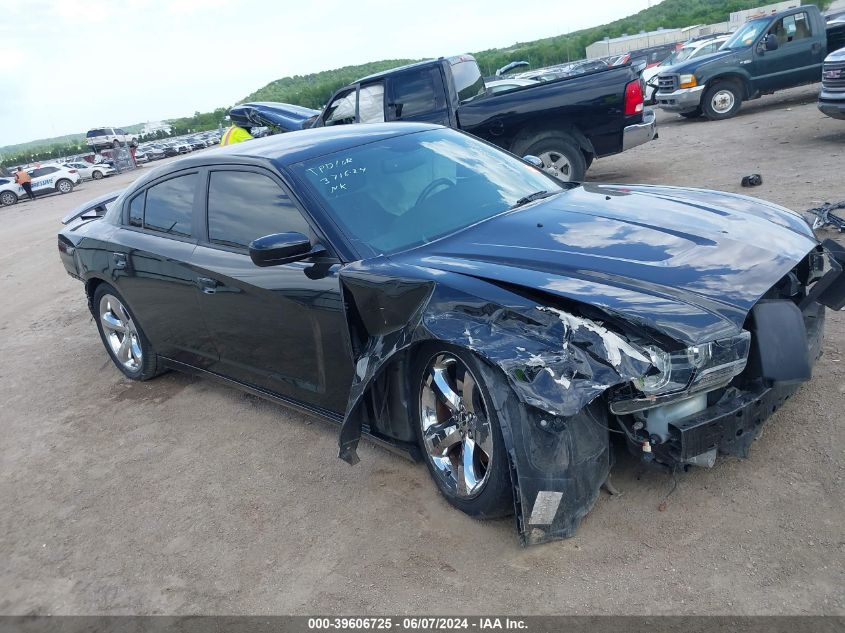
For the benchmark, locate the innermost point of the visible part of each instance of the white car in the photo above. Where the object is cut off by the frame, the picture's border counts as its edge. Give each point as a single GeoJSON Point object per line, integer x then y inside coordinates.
{"type": "Point", "coordinates": [90, 171]}
{"type": "Point", "coordinates": [699, 48]}
{"type": "Point", "coordinates": [45, 179]}
{"type": "Point", "coordinates": [107, 137]}
{"type": "Point", "coordinates": [509, 83]}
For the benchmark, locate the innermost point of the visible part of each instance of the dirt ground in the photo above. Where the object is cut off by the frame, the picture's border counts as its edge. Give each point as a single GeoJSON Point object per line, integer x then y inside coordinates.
{"type": "Point", "coordinates": [182, 496]}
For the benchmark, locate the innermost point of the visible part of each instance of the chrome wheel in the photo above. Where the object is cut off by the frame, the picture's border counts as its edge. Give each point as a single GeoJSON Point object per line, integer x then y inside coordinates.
{"type": "Point", "coordinates": [722, 101]}
{"type": "Point", "coordinates": [120, 333]}
{"type": "Point", "coordinates": [64, 186]}
{"type": "Point", "coordinates": [557, 165]}
{"type": "Point", "coordinates": [456, 430]}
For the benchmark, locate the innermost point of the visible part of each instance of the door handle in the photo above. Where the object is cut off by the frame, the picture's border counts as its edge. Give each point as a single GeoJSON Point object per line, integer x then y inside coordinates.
{"type": "Point", "coordinates": [207, 285]}
{"type": "Point", "coordinates": [119, 260]}
{"type": "Point", "coordinates": [816, 47]}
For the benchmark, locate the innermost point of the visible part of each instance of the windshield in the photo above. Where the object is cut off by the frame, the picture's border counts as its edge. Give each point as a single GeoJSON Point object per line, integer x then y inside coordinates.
{"type": "Point", "coordinates": [391, 195]}
{"type": "Point", "coordinates": [746, 34]}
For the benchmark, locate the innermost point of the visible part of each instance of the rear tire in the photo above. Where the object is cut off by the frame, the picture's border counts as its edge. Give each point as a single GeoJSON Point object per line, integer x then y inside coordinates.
{"type": "Point", "coordinates": [562, 157]}
{"type": "Point", "coordinates": [96, 175]}
{"type": "Point", "coordinates": [64, 186]}
{"type": "Point", "coordinates": [722, 100]}
{"type": "Point", "coordinates": [458, 431]}
{"type": "Point", "coordinates": [8, 198]}
{"type": "Point", "coordinates": [122, 336]}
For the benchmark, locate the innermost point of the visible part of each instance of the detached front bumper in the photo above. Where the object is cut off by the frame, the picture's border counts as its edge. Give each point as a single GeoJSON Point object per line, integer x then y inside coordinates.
{"type": "Point", "coordinates": [682, 100]}
{"type": "Point", "coordinates": [732, 423]}
{"type": "Point", "coordinates": [640, 133]}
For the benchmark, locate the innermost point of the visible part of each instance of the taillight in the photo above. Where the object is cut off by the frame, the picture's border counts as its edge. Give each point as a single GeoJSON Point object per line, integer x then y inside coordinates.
{"type": "Point", "coordinates": [633, 98]}
{"type": "Point", "coordinates": [72, 171]}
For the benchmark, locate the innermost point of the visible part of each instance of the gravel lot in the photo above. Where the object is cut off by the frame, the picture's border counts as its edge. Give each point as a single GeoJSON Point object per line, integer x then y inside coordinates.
{"type": "Point", "coordinates": [182, 496]}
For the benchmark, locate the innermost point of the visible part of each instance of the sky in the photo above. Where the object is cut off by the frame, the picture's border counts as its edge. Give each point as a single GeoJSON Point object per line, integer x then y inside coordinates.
{"type": "Point", "coordinates": [69, 65]}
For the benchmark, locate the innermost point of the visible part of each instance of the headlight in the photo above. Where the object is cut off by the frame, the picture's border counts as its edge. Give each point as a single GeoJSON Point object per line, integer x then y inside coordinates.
{"type": "Point", "coordinates": [693, 370]}
{"type": "Point", "coordinates": [687, 81]}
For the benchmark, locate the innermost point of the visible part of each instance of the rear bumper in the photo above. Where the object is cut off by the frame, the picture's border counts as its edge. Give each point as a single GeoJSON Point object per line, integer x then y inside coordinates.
{"type": "Point", "coordinates": [682, 100]}
{"type": "Point", "coordinates": [640, 133]}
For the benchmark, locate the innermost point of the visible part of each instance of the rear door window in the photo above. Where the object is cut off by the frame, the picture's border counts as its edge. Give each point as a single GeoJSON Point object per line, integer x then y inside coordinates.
{"type": "Point", "coordinates": [416, 93]}
{"type": "Point", "coordinates": [243, 206]}
{"type": "Point", "coordinates": [136, 210]}
{"type": "Point", "coordinates": [169, 205]}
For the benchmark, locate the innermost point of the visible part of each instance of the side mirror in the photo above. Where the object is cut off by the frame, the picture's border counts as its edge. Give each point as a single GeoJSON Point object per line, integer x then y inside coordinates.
{"type": "Point", "coordinates": [771, 42]}
{"type": "Point", "coordinates": [281, 248]}
{"type": "Point", "coordinates": [534, 161]}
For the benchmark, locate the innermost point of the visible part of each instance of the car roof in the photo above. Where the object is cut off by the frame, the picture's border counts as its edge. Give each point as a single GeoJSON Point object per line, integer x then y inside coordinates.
{"type": "Point", "coordinates": [389, 71]}
{"type": "Point", "coordinates": [293, 147]}
{"type": "Point", "coordinates": [289, 147]}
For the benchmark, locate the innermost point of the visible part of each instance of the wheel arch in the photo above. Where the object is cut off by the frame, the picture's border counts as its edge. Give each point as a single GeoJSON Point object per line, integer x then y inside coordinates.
{"type": "Point", "coordinates": [530, 134]}
{"type": "Point", "coordinates": [735, 77]}
{"type": "Point", "coordinates": [91, 285]}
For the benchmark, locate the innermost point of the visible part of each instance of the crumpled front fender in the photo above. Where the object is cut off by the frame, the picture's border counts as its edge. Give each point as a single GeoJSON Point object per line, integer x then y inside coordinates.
{"type": "Point", "coordinates": [555, 363]}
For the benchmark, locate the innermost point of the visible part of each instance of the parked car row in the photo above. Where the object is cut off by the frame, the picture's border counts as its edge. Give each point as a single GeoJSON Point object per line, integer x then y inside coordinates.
{"type": "Point", "coordinates": [156, 150]}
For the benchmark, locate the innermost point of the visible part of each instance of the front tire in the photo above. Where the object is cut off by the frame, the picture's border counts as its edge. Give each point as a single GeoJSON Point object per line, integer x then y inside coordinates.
{"type": "Point", "coordinates": [458, 431]}
{"type": "Point", "coordinates": [692, 114]}
{"type": "Point", "coordinates": [8, 198]}
{"type": "Point", "coordinates": [64, 186]}
{"type": "Point", "coordinates": [561, 156]}
{"type": "Point", "coordinates": [722, 100]}
{"type": "Point", "coordinates": [123, 337]}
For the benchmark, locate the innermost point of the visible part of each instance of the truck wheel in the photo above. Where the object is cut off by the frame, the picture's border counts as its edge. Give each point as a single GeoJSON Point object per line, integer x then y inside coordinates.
{"type": "Point", "coordinates": [694, 114]}
{"type": "Point", "coordinates": [721, 101]}
{"type": "Point", "coordinates": [561, 156]}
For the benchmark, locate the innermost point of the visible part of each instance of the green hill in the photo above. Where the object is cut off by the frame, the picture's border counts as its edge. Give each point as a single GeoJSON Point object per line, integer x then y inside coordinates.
{"type": "Point", "coordinates": [311, 91]}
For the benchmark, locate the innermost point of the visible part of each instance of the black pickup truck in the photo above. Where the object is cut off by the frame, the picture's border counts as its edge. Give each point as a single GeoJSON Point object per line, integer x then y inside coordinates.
{"type": "Point", "coordinates": [566, 122]}
{"type": "Point", "coordinates": [765, 54]}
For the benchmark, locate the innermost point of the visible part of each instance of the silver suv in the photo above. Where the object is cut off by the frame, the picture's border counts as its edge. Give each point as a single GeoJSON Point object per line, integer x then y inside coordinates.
{"type": "Point", "coordinates": [107, 137]}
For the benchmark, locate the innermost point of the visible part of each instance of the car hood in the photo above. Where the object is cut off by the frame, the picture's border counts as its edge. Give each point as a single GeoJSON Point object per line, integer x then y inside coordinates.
{"type": "Point", "coordinates": [691, 65]}
{"type": "Point", "coordinates": [689, 263]}
{"type": "Point", "coordinates": [286, 116]}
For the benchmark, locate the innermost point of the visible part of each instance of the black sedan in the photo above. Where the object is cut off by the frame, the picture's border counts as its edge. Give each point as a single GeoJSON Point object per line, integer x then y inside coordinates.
{"type": "Point", "coordinates": [455, 302]}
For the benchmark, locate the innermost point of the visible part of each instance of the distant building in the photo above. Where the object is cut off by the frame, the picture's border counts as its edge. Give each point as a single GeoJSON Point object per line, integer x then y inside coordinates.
{"type": "Point", "coordinates": [738, 18]}
{"type": "Point", "coordinates": [628, 43]}
{"type": "Point", "coordinates": [151, 127]}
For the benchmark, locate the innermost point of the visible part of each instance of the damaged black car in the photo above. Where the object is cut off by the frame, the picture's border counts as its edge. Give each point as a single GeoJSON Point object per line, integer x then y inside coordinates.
{"type": "Point", "coordinates": [449, 300]}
